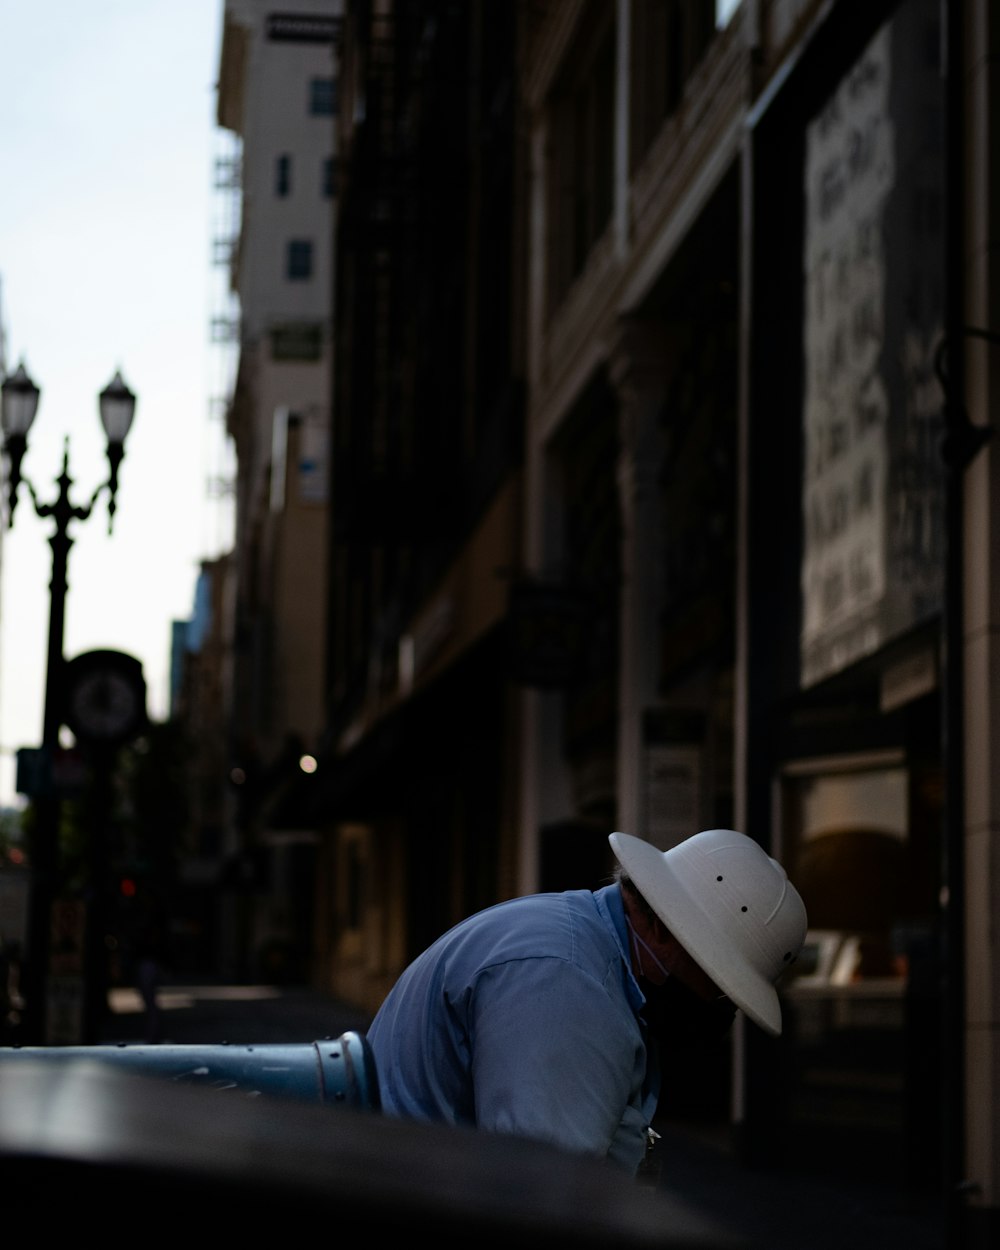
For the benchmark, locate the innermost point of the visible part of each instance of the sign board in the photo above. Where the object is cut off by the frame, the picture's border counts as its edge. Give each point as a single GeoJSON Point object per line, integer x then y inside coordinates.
{"type": "Point", "coordinates": [32, 772]}
{"type": "Point", "coordinates": [674, 751]}
{"type": "Point", "coordinates": [61, 776]}
{"type": "Point", "coordinates": [873, 487]}
{"type": "Point", "coordinates": [301, 28]}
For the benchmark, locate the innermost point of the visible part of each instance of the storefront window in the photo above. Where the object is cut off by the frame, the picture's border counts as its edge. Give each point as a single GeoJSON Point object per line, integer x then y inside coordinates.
{"type": "Point", "coordinates": [849, 836]}
{"type": "Point", "coordinates": [864, 980]}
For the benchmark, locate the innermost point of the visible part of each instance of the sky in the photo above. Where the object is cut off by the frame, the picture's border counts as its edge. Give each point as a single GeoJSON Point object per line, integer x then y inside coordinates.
{"type": "Point", "coordinates": [107, 212]}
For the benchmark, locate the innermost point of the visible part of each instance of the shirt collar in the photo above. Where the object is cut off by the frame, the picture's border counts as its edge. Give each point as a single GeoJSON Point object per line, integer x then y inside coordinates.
{"type": "Point", "coordinates": [611, 907]}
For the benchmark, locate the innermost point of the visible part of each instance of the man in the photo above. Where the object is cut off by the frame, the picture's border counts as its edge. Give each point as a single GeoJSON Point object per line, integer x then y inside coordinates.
{"type": "Point", "coordinates": [533, 1016]}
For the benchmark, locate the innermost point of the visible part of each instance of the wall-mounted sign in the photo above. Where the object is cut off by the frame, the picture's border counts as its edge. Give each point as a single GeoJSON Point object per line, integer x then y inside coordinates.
{"type": "Point", "coordinates": [302, 28]}
{"type": "Point", "coordinates": [872, 491]}
{"type": "Point", "coordinates": [674, 748]}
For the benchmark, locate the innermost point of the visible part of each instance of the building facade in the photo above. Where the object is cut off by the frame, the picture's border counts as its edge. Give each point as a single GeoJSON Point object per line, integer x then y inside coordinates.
{"type": "Point", "coordinates": [277, 98]}
{"type": "Point", "coordinates": [658, 502]}
{"type": "Point", "coordinates": [414, 792]}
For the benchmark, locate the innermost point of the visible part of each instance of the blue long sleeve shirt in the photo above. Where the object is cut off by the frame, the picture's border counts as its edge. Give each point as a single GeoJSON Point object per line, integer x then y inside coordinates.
{"type": "Point", "coordinates": [525, 1019]}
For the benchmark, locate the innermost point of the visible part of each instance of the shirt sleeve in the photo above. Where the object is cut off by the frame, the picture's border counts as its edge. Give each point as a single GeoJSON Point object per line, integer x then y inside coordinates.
{"type": "Point", "coordinates": [555, 1056]}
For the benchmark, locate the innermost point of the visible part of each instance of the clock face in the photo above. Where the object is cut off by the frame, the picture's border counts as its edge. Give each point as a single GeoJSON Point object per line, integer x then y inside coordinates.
{"type": "Point", "coordinates": [103, 704]}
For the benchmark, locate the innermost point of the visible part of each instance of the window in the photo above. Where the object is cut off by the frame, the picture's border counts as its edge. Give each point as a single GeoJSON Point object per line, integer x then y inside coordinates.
{"type": "Point", "coordinates": [581, 168]}
{"type": "Point", "coordinates": [225, 330]}
{"type": "Point", "coordinates": [669, 38]}
{"type": "Point", "coordinates": [300, 259]}
{"type": "Point", "coordinates": [223, 251]}
{"type": "Point", "coordinates": [329, 177]}
{"type": "Point", "coordinates": [283, 175]}
{"type": "Point", "coordinates": [322, 97]}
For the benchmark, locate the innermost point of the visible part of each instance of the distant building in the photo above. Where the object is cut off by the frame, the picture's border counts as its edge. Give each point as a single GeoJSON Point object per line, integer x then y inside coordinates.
{"type": "Point", "coordinates": [277, 97]}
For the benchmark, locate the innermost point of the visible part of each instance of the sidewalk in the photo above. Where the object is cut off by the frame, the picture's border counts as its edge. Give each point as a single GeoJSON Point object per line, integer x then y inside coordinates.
{"type": "Point", "coordinates": [211, 1013]}
{"type": "Point", "coordinates": [762, 1210]}
{"type": "Point", "coordinates": [777, 1210]}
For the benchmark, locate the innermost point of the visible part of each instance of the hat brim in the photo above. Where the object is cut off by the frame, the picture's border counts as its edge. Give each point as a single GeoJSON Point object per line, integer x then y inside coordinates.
{"type": "Point", "coordinates": [715, 954]}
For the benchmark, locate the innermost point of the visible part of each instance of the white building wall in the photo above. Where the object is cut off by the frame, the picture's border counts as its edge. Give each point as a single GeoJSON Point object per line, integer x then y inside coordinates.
{"type": "Point", "coordinates": [281, 537]}
{"type": "Point", "coordinates": [277, 122]}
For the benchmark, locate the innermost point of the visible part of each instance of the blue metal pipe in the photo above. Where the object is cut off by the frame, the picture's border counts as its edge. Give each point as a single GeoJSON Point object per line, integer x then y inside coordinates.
{"type": "Point", "coordinates": [339, 1071]}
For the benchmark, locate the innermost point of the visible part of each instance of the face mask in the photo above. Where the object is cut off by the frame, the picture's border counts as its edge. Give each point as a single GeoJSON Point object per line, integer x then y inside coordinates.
{"type": "Point", "coordinates": [680, 1020]}
{"type": "Point", "coordinates": [675, 1012]}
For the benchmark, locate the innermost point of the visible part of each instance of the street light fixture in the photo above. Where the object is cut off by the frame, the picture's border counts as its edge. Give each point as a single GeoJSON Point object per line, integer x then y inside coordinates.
{"type": "Point", "coordinates": [17, 411]}
{"type": "Point", "coordinates": [18, 404]}
{"type": "Point", "coordinates": [117, 407]}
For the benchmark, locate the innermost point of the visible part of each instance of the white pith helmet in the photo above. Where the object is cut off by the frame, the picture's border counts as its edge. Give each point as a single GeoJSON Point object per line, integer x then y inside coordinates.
{"type": "Point", "coordinates": [730, 905]}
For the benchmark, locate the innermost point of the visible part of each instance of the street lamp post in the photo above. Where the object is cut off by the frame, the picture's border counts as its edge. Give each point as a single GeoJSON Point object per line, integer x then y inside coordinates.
{"type": "Point", "coordinates": [18, 404]}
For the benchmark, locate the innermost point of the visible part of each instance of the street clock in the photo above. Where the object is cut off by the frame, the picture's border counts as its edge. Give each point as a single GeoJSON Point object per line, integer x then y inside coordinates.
{"type": "Point", "coordinates": [104, 697]}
